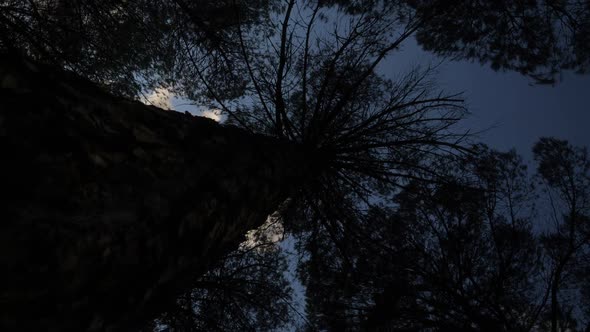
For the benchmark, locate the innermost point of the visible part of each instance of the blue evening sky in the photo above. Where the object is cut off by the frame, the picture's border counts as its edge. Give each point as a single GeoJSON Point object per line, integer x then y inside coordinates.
{"type": "Point", "coordinates": [515, 112]}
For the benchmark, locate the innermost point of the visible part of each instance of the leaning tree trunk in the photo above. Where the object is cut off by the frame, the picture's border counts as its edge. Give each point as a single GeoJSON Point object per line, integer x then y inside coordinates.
{"type": "Point", "coordinates": [110, 208]}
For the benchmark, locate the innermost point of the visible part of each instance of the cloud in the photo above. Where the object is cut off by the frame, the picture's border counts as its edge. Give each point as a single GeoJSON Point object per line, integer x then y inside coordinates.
{"type": "Point", "coordinates": [164, 98]}
{"type": "Point", "coordinates": [160, 97]}
{"type": "Point", "coordinates": [214, 114]}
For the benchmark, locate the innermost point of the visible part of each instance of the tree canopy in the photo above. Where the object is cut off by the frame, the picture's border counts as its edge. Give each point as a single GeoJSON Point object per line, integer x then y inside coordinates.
{"type": "Point", "coordinates": [405, 224]}
{"type": "Point", "coordinates": [464, 255]}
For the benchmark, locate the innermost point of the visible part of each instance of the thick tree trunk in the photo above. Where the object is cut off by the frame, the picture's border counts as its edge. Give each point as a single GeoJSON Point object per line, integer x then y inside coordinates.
{"type": "Point", "coordinates": [110, 208]}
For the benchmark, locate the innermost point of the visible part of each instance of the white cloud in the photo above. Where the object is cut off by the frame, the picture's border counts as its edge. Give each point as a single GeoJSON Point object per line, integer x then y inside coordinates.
{"type": "Point", "coordinates": [166, 99]}
{"type": "Point", "coordinates": [214, 114]}
{"type": "Point", "coordinates": [160, 97]}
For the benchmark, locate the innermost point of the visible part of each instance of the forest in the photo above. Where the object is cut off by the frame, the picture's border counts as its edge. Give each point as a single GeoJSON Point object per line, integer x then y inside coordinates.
{"type": "Point", "coordinates": [325, 195]}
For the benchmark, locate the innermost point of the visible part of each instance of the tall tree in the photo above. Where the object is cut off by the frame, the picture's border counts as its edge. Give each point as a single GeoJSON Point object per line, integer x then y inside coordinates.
{"type": "Point", "coordinates": [113, 208]}
{"type": "Point", "coordinates": [114, 202]}
{"type": "Point", "coordinates": [452, 255]}
{"type": "Point", "coordinates": [305, 73]}
{"type": "Point", "coordinates": [565, 172]}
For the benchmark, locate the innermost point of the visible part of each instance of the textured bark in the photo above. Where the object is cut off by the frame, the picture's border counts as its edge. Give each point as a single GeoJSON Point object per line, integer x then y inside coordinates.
{"type": "Point", "coordinates": [110, 208]}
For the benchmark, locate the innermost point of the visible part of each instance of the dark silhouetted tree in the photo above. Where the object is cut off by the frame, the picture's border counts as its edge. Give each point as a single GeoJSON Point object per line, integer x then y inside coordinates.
{"type": "Point", "coordinates": [454, 255]}
{"type": "Point", "coordinates": [131, 205]}
{"type": "Point", "coordinates": [536, 38]}
{"type": "Point", "coordinates": [128, 46]}
{"type": "Point", "coordinates": [143, 193]}
{"type": "Point", "coordinates": [245, 291]}
{"type": "Point", "coordinates": [565, 172]}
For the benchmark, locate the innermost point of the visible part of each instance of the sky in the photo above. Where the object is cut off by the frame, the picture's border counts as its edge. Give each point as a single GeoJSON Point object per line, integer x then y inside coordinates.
{"type": "Point", "coordinates": [517, 112]}
{"type": "Point", "coordinates": [163, 98]}
{"type": "Point", "coordinates": [511, 112]}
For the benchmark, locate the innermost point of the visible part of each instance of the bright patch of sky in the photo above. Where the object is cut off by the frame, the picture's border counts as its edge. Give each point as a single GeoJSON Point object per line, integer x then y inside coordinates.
{"type": "Point", "coordinates": [166, 99]}
{"type": "Point", "coordinates": [272, 231]}
{"type": "Point", "coordinates": [159, 97]}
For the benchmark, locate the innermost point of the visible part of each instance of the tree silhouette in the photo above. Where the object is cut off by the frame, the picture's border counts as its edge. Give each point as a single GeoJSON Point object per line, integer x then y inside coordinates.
{"type": "Point", "coordinates": [470, 252]}
{"type": "Point", "coordinates": [136, 45]}
{"type": "Point", "coordinates": [535, 38]}
{"type": "Point", "coordinates": [128, 46]}
{"type": "Point", "coordinates": [116, 208]}
{"type": "Point", "coordinates": [454, 255]}
{"type": "Point", "coordinates": [113, 208]}
{"type": "Point", "coordinates": [564, 170]}
{"type": "Point", "coordinates": [135, 246]}
{"type": "Point", "coordinates": [245, 291]}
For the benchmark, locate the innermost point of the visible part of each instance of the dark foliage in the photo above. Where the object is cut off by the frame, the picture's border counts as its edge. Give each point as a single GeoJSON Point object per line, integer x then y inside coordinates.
{"type": "Point", "coordinates": [459, 255]}
{"type": "Point", "coordinates": [536, 38]}
{"type": "Point", "coordinates": [402, 226]}
{"type": "Point", "coordinates": [246, 291]}
{"type": "Point", "coordinates": [127, 45]}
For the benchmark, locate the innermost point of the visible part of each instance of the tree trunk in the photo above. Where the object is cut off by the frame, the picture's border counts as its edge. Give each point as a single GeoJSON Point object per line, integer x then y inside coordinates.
{"type": "Point", "coordinates": [554, 307]}
{"type": "Point", "coordinates": [111, 208]}
{"type": "Point", "coordinates": [555, 310]}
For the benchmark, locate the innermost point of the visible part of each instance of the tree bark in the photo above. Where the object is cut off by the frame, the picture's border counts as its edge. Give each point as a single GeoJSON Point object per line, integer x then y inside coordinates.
{"type": "Point", "coordinates": [111, 208]}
